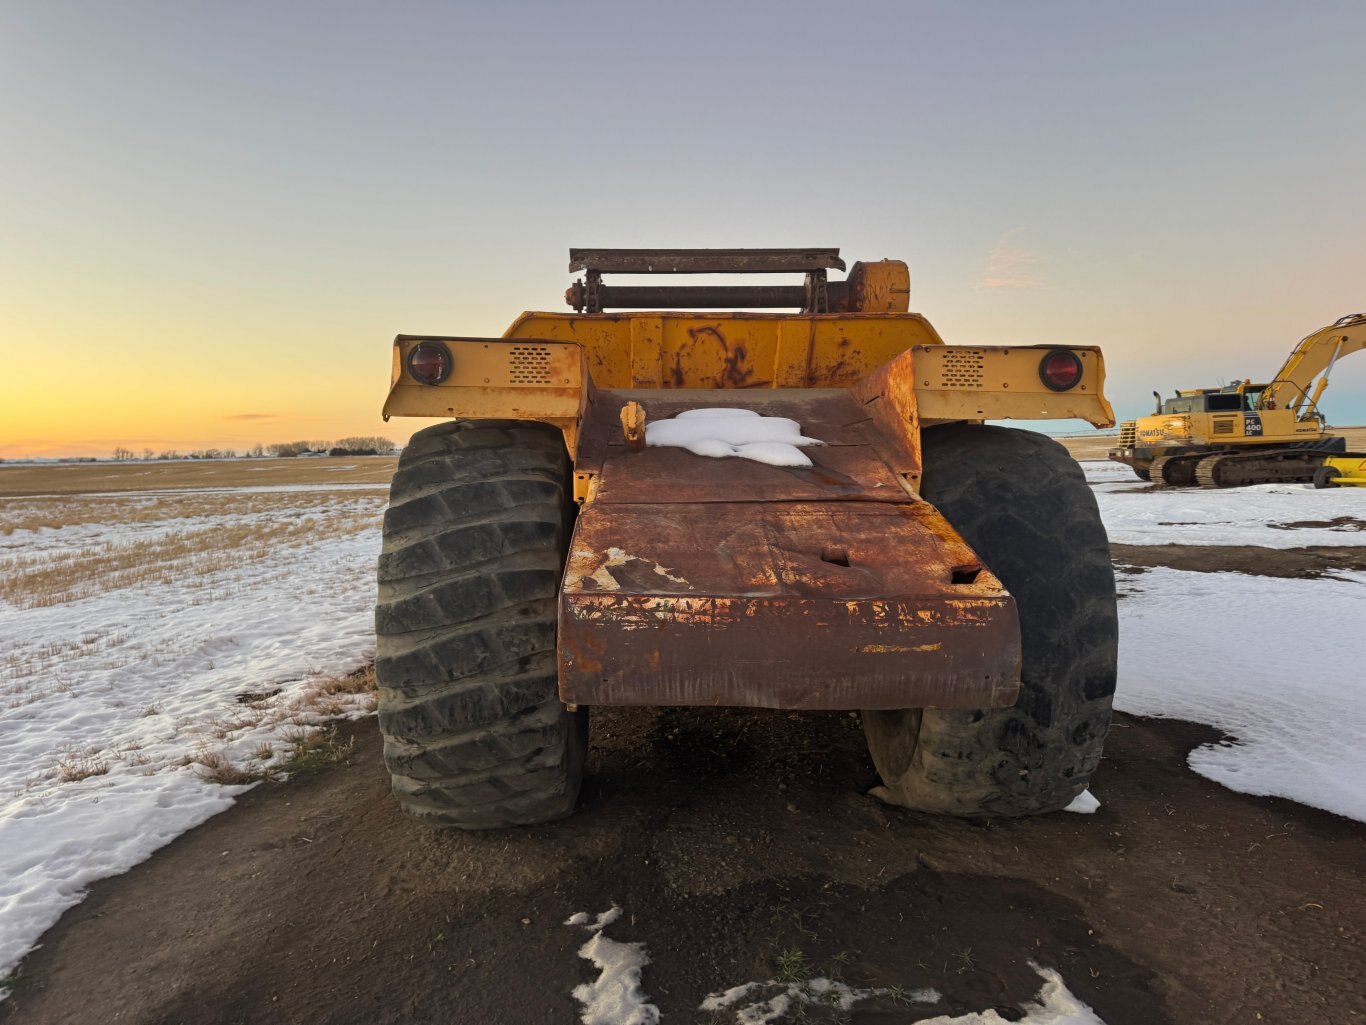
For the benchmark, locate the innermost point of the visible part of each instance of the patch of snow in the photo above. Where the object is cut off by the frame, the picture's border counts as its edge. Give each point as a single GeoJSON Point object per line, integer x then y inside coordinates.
{"type": "Point", "coordinates": [1272, 662]}
{"type": "Point", "coordinates": [733, 433]}
{"type": "Point", "coordinates": [820, 992]}
{"type": "Point", "coordinates": [105, 701]}
{"type": "Point", "coordinates": [1084, 803]}
{"type": "Point", "coordinates": [715, 413]}
{"type": "Point", "coordinates": [595, 924]}
{"type": "Point", "coordinates": [1107, 471]}
{"type": "Point", "coordinates": [1140, 514]}
{"type": "Point", "coordinates": [1055, 1005]}
{"type": "Point", "coordinates": [616, 997]}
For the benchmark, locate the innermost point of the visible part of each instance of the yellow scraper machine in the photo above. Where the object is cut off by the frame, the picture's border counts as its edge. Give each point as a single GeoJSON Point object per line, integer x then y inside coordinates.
{"type": "Point", "coordinates": [546, 551]}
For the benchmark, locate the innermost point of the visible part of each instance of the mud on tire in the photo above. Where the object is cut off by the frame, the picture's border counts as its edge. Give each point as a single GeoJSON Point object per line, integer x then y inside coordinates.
{"type": "Point", "coordinates": [1022, 503]}
{"type": "Point", "coordinates": [475, 536]}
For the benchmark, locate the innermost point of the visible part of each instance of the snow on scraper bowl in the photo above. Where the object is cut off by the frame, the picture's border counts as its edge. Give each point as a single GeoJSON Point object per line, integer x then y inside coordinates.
{"type": "Point", "coordinates": [733, 433]}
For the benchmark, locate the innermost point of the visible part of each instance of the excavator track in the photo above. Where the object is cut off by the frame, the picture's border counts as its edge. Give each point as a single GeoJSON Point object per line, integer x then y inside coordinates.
{"type": "Point", "coordinates": [1240, 469]}
{"type": "Point", "coordinates": [1174, 471]}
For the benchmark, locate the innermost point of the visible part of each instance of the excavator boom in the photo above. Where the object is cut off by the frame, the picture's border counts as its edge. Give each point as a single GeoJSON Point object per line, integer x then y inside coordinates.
{"type": "Point", "coordinates": [1314, 356]}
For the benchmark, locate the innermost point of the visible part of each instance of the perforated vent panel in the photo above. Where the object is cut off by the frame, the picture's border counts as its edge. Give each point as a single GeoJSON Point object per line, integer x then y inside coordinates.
{"type": "Point", "coordinates": [962, 368]}
{"type": "Point", "coordinates": [529, 364]}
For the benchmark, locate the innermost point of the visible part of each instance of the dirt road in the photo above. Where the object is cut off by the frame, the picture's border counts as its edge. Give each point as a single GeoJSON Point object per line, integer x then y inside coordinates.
{"type": "Point", "coordinates": [735, 842]}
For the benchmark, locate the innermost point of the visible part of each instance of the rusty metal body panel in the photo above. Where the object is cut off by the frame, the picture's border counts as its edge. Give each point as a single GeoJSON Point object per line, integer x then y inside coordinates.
{"type": "Point", "coordinates": [782, 605]}
{"type": "Point", "coordinates": [704, 261]}
{"type": "Point", "coordinates": [730, 350]}
{"type": "Point", "coordinates": [723, 581]}
{"type": "Point", "coordinates": [855, 463]}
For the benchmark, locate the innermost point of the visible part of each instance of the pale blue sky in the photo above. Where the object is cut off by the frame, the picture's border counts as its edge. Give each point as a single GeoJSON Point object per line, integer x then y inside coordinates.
{"type": "Point", "coordinates": [250, 199]}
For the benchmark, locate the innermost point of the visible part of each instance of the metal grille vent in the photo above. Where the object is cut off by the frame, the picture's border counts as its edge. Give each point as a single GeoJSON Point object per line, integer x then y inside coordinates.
{"type": "Point", "coordinates": [1223, 425]}
{"type": "Point", "coordinates": [529, 364]}
{"type": "Point", "coordinates": [1128, 433]}
{"type": "Point", "coordinates": [962, 368]}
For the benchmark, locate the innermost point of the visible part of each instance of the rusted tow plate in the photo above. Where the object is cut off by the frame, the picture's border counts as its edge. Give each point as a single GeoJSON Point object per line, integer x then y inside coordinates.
{"type": "Point", "coordinates": [700, 581]}
{"type": "Point", "coordinates": [782, 605]}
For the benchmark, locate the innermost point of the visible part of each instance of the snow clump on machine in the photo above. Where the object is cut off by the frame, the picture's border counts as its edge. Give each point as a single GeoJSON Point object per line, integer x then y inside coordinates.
{"type": "Point", "coordinates": [733, 433]}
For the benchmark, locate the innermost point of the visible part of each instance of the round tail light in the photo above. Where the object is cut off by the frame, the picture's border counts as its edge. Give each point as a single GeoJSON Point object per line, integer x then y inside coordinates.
{"type": "Point", "coordinates": [1060, 370]}
{"type": "Point", "coordinates": [429, 362]}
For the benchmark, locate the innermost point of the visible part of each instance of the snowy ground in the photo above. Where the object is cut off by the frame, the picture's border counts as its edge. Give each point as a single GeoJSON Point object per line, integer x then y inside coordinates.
{"type": "Point", "coordinates": [618, 996]}
{"type": "Point", "coordinates": [1140, 514]}
{"type": "Point", "coordinates": [179, 645]}
{"type": "Point", "coordinates": [1270, 661]}
{"type": "Point", "coordinates": [142, 640]}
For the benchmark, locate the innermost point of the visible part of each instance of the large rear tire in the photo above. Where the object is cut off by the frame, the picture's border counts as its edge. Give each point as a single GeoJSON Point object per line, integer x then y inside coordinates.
{"type": "Point", "coordinates": [475, 537]}
{"type": "Point", "coordinates": [1022, 503]}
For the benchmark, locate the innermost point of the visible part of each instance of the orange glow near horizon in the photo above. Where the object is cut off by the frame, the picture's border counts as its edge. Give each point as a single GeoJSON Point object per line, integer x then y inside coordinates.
{"type": "Point", "coordinates": [215, 221]}
{"type": "Point", "coordinates": [153, 383]}
{"type": "Point", "coordinates": [163, 383]}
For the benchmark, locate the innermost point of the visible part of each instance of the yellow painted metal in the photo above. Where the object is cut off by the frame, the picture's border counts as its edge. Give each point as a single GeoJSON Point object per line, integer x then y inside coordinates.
{"type": "Point", "coordinates": [1351, 471]}
{"type": "Point", "coordinates": [957, 382]}
{"type": "Point", "coordinates": [1315, 355]}
{"type": "Point", "coordinates": [493, 379]}
{"type": "Point", "coordinates": [1231, 427]}
{"type": "Point", "coordinates": [548, 366]}
{"type": "Point", "coordinates": [633, 426]}
{"type": "Point", "coordinates": [541, 369]}
{"type": "Point", "coordinates": [730, 350]}
{"type": "Point", "coordinates": [880, 287]}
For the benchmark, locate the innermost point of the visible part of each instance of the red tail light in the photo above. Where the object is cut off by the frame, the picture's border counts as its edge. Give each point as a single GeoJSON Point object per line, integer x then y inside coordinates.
{"type": "Point", "coordinates": [1060, 370]}
{"type": "Point", "coordinates": [429, 362]}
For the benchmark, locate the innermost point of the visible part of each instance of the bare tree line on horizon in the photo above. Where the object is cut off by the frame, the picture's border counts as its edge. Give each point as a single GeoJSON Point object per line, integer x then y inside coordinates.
{"type": "Point", "coordinates": [357, 446]}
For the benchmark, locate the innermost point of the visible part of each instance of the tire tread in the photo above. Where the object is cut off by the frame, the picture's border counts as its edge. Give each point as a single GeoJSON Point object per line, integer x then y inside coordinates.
{"type": "Point", "coordinates": [1021, 501]}
{"type": "Point", "coordinates": [475, 735]}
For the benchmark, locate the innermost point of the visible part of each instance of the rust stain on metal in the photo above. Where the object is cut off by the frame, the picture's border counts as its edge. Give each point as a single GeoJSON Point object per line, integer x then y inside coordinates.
{"type": "Point", "coordinates": [736, 373]}
{"type": "Point", "coordinates": [847, 467]}
{"type": "Point", "coordinates": [741, 604]}
{"type": "Point", "coordinates": [711, 581]}
{"type": "Point", "coordinates": [889, 396]}
{"type": "Point", "coordinates": [734, 370]}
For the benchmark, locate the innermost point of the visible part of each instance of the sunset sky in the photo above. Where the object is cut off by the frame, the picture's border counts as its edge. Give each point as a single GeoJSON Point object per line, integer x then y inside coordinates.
{"type": "Point", "coordinates": [215, 217]}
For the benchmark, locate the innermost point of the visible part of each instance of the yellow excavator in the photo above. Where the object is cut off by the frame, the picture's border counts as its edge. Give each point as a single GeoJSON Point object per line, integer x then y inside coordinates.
{"type": "Point", "coordinates": [1245, 433]}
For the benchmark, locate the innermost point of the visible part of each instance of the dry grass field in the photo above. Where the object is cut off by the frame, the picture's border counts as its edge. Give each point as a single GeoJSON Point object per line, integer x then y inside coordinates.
{"type": "Point", "coordinates": [136, 524]}
{"type": "Point", "coordinates": [55, 578]}
{"type": "Point", "coordinates": [19, 479]}
{"type": "Point", "coordinates": [164, 625]}
{"type": "Point", "coordinates": [107, 567]}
